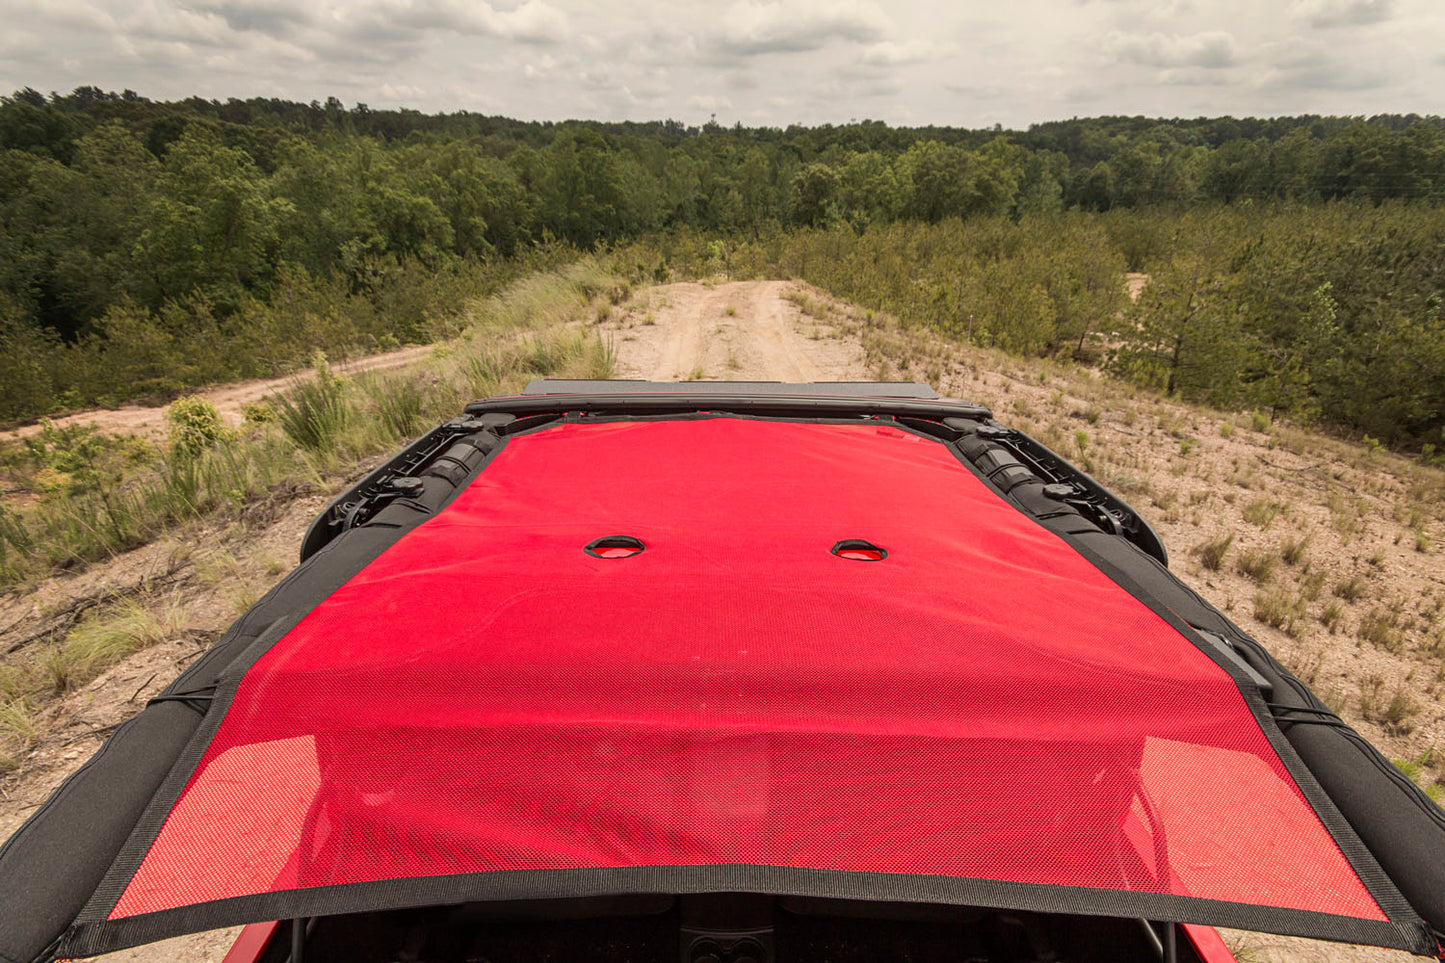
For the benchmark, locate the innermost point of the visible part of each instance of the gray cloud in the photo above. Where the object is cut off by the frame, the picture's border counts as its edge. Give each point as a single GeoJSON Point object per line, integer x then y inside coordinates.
{"type": "Point", "coordinates": [740, 80]}
{"type": "Point", "coordinates": [759, 61]}
{"type": "Point", "coordinates": [1343, 13]}
{"type": "Point", "coordinates": [1326, 77]}
{"type": "Point", "coordinates": [1211, 50]}
{"type": "Point", "coordinates": [67, 14]}
{"type": "Point", "coordinates": [274, 18]}
{"type": "Point", "coordinates": [533, 22]}
{"type": "Point", "coordinates": [795, 26]}
{"type": "Point", "coordinates": [1192, 77]}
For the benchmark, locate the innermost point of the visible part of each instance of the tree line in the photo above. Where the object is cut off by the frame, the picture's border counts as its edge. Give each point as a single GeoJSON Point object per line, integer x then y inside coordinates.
{"type": "Point", "coordinates": [147, 246]}
{"type": "Point", "coordinates": [1325, 313]}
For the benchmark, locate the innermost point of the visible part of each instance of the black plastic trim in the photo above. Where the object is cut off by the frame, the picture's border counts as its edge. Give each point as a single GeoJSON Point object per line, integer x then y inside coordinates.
{"type": "Point", "coordinates": [338, 516]}
{"type": "Point", "coordinates": [645, 403]}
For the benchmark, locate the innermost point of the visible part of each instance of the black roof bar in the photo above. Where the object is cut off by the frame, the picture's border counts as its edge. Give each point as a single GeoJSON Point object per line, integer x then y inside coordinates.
{"type": "Point", "coordinates": [676, 402]}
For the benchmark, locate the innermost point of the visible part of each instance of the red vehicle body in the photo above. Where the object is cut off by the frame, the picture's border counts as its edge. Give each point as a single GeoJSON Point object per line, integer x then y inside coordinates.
{"type": "Point", "coordinates": [737, 673]}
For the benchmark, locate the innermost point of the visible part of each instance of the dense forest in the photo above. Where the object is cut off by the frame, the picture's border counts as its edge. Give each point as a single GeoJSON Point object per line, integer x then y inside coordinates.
{"type": "Point", "coordinates": [1298, 263]}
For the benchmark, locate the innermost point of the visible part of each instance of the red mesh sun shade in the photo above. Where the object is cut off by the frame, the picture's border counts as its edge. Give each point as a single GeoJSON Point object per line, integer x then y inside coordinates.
{"type": "Point", "coordinates": [980, 703]}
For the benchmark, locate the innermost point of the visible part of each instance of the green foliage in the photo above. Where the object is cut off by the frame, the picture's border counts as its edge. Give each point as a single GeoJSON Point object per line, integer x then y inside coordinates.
{"type": "Point", "coordinates": [814, 193]}
{"type": "Point", "coordinates": [149, 248]}
{"type": "Point", "coordinates": [77, 460]}
{"type": "Point", "coordinates": [1419, 770]}
{"type": "Point", "coordinates": [254, 413]}
{"type": "Point", "coordinates": [195, 425]}
{"type": "Point", "coordinates": [399, 404]}
{"type": "Point", "coordinates": [102, 494]}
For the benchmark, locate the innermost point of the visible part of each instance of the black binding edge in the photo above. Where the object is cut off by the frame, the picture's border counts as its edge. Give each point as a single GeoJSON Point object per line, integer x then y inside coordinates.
{"type": "Point", "coordinates": [90, 938]}
{"type": "Point", "coordinates": [1415, 934]}
{"type": "Point", "coordinates": [615, 541]}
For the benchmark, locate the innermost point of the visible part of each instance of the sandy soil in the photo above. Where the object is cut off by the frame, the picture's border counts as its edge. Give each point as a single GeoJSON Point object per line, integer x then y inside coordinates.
{"type": "Point", "coordinates": [1135, 281]}
{"type": "Point", "coordinates": [752, 331]}
{"type": "Point", "coordinates": [151, 422]}
{"type": "Point", "coordinates": [736, 331]}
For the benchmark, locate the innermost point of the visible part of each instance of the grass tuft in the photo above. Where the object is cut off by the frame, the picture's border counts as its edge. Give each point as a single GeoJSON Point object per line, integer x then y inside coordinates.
{"type": "Point", "coordinates": [1211, 553]}
{"type": "Point", "coordinates": [1293, 549]}
{"type": "Point", "coordinates": [1262, 512]}
{"type": "Point", "coordinates": [1381, 628]}
{"type": "Point", "coordinates": [1280, 608]}
{"type": "Point", "coordinates": [1258, 565]}
{"type": "Point", "coordinates": [1351, 589]}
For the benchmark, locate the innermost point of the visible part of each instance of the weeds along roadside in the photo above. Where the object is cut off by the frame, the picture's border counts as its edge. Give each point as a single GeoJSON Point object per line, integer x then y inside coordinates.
{"type": "Point", "coordinates": [90, 497]}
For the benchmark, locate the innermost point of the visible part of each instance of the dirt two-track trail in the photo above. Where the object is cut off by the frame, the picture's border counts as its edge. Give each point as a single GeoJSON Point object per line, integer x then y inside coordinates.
{"type": "Point", "coordinates": [737, 331]}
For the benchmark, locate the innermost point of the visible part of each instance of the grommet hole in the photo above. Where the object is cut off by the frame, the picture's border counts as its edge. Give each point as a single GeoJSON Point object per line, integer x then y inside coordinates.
{"type": "Point", "coordinates": [614, 546]}
{"type": "Point", "coordinates": [859, 550]}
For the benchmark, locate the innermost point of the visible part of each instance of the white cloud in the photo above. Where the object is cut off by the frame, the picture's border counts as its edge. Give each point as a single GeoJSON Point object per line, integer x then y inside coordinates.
{"type": "Point", "coordinates": [890, 53]}
{"type": "Point", "coordinates": [532, 22]}
{"type": "Point", "coordinates": [1211, 50]}
{"type": "Point", "coordinates": [708, 103]}
{"type": "Point", "coordinates": [67, 14]}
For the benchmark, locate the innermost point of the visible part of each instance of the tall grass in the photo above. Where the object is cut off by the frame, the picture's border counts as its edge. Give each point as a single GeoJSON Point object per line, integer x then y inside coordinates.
{"type": "Point", "coordinates": [534, 328]}
{"type": "Point", "coordinates": [314, 412]}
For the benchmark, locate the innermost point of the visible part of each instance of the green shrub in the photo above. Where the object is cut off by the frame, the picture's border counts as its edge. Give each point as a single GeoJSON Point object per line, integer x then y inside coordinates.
{"type": "Point", "coordinates": [258, 413]}
{"type": "Point", "coordinates": [195, 426]}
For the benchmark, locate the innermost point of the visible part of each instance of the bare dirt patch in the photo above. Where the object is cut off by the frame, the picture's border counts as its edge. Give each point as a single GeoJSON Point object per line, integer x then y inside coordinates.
{"type": "Point", "coordinates": [735, 331]}
{"type": "Point", "coordinates": [1134, 283]}
{"type": "Point", "coordinates": [150, 423]}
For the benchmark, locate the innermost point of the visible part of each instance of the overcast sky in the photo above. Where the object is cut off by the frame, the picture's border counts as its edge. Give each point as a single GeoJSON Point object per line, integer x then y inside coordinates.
{"type": "Point", "coordinates": [774, 62]}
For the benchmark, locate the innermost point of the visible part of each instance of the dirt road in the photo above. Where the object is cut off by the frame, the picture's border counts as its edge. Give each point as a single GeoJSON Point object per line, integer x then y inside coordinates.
{"type": "Point", "coordinates": [738, 331]}
{"type": "Point", "coordinates": [151, 422]}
